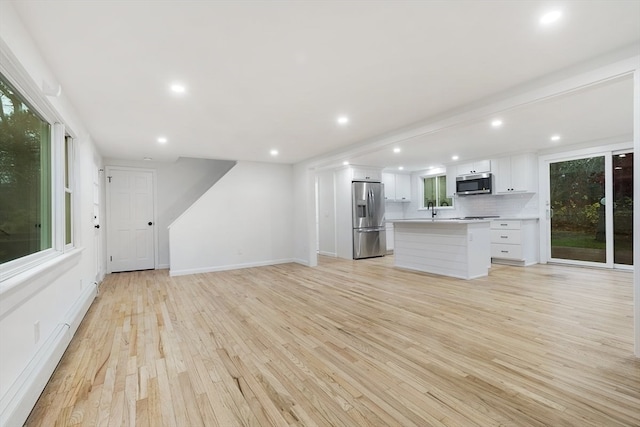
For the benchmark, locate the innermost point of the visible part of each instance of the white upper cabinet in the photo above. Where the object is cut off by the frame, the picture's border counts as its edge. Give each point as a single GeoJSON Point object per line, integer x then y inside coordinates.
{"type": "Point", "coordinates": [389, 181]}
{"type": "Point", "coordinates": [366, 173]}
{"type": "Point", "coordinates": [397, 187]}
{"type": "Point", "coordinates": [516, 174]}
{"type": "Point", "coordinates": [475, 167]}
{"type": "Point", "coordinates": [403, 187]}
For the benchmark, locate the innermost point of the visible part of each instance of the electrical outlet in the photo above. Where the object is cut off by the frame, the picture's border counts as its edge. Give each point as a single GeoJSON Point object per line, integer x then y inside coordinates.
{"type": "Point", "coordinates": [36, 331]}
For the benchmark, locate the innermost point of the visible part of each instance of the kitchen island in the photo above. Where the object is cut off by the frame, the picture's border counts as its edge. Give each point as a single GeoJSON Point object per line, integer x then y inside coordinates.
{"type": "Point", "coordinates": [450, 247]}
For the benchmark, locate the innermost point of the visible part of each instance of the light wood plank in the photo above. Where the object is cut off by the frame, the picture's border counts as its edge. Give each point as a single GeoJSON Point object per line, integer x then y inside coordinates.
{"type": "Point", "coordinates": [352, 343]}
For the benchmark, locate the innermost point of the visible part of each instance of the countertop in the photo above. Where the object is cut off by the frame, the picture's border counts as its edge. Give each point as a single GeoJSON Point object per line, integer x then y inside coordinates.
{"type": "Point", "coordinates": [466, 221]}
{"type": "Point", "coordinates": [440, 221]}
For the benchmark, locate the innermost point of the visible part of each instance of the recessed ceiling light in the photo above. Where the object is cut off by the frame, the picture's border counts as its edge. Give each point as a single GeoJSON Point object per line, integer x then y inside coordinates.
{"type": "Point", "coordinates": [454, 157]}
{"type": "Point", "coordinates": [147, 158]}
{"type": "Point", "coordinates": [342, 120]}
{"type": "Point", "coordinates": [496, 123]}
{"type": "Point", "coordinates": [622, 155]}
{"type": "Point", "coordinates": [345, 163]}
{"type": "Point", "coordinates": [178, 88]}
{"type": "Point", "coordinates": [162, 140]}
{"type": "Point", "coordinates": [400, 168]}
{"type": "Point", "coordinates": [555, 138]}
{"type": "Point", "coordinates": [550, 17]}
{"type": "Point", "coordinates": [273, 152]}
{"type": "Point", "coordinates": [396, 150]}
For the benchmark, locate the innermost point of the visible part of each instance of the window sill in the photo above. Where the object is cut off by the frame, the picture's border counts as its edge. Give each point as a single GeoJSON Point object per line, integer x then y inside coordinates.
{"type": "Point", "coordinates": [55, 266]}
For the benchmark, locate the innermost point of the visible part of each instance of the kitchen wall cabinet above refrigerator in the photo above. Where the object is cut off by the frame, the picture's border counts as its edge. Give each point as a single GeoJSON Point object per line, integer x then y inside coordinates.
{"type": "Point", "coordinates": [364, 173]}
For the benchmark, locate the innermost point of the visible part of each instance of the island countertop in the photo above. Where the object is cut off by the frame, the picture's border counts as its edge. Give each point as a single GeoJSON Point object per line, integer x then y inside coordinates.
{"type": "Point", "coordinates": [451, 247]}
{"type": "Point", "coordinates": [440, 221]}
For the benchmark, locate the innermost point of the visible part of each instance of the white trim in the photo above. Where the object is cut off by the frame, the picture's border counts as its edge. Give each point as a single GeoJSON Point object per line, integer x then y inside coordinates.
{"type": "Point", "coordinates": [23, 394]}
{"type": "Point", "coordinates": [12, 70]}
{"type": "Point", "coordinates": [22, 286]}
{"type": "Point", "coordinates": [57, 185]}
{"type": "Point", "coordinates": [636, 212]}
{"type": "Point", "coordinates": [325, 253]}
{"type": "Point", "coordinates": [186, 271]}
{"type": "Point", "coordinates": [302, 262]}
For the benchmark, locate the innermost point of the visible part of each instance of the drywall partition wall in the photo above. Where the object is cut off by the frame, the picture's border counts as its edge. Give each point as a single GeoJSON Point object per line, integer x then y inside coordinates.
{"type": "Point", "coordinates": [326, 214]}
{"type": "Point", "coordinates": [178, 185]}
{"type": "Point", "coordinates": [244, 220]}
{"type": "Point", "coordinates": [304, 215]}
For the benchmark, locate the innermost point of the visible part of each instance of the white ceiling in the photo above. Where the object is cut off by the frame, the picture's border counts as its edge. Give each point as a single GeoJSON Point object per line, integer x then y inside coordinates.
{"type": "Point", "coordinates": [275, 75]}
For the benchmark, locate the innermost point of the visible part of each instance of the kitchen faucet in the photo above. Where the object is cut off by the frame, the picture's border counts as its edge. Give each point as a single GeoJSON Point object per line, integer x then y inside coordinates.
{"type": "Point", "coordinates": [433, 209]}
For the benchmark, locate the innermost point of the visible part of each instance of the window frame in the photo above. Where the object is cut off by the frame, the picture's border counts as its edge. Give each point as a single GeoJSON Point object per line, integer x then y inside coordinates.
{"type": "Point", "coordinates": [434, 175]}
{"type": "Point", "coordinates": [22, 82]}
{"type": "Point", "coordinates": [68, 185]}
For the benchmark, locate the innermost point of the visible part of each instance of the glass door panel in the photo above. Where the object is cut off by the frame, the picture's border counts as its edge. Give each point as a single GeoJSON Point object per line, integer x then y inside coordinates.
{"type": "Point", "coordinates": [577, 197]}
{"type": "Point", "coordinates": [623, 208]}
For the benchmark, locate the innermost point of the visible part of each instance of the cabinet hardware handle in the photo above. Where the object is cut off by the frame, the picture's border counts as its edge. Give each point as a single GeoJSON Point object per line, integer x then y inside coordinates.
{"type": "Point", "coordinates": [505, 252]}
{"type": "Point", "coordinates": [504, 237]}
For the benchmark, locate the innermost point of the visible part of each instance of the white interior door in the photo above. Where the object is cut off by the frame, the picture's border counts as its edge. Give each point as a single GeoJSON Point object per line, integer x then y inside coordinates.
{"type": "Point", "coordinates": [130, 222]}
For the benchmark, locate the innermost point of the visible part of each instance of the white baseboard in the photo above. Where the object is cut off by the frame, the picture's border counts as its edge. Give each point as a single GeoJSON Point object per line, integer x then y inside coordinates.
{"type": "Point", "coordinates": [331, 254]}
{"type": "Point", "coordinates": [163, 267]}
{"type": "Point", "coordinates": [19, 400]}
{"type": "Point", "coordinates": [182, 272]}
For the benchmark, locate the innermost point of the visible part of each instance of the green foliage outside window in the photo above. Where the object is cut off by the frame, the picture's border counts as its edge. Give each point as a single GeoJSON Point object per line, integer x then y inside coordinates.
{"type": "Point", "coordinates": [435, 191]}
{"type": "Point", "coordinates": [25, 178]}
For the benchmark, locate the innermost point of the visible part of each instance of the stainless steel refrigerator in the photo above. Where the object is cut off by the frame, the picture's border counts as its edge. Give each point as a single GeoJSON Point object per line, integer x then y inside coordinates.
{"type": "Point", "coordinates": [369, 236]}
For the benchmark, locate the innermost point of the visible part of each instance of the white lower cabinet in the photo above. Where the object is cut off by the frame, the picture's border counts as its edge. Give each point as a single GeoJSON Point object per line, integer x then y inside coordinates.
{"type": "Point", "coordinates": [514, 242]}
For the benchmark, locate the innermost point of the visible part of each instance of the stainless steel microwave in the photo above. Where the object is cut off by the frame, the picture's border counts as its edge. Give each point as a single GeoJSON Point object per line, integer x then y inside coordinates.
{"type": "Point", "coordinates": [481, 183]}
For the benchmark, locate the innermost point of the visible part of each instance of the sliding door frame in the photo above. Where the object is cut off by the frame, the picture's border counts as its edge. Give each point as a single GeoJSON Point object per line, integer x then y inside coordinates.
{"type": "Point", "coordinates": [606, 150]}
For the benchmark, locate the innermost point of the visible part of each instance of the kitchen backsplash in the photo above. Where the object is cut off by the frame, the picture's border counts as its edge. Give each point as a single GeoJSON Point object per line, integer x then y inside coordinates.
{"type": "Point", "coordinates": [480, 205]}
{"type": "Point", "coordinates": [394, 210]}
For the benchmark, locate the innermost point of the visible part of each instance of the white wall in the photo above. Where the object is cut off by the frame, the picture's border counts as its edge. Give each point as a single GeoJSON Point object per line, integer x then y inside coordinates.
{"type": "Point", "coordinates": [178, 185]}
{"type": "Point", "coordinates": [57, 293]}
{"type": "Point", "coordinates": [304, 215]}
{"type": "Point", "coordinates": [326, 213]}
{"type": "Point", "coordinates": [244, 220]}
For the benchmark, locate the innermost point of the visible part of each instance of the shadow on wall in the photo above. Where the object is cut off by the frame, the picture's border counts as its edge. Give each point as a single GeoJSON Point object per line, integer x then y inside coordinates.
{"type": "Point", "coordinates": [178, 185]}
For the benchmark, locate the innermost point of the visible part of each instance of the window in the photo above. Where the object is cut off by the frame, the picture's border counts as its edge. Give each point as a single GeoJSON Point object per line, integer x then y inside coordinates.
{"type": "Point", "coordinates": [36, 177]}
{"type": "Point", "coordinates": [25, 178]}
{"type": "Point", "coordinates": [435, 192]}
{"type": "Point", "coordinates": [68, 191]}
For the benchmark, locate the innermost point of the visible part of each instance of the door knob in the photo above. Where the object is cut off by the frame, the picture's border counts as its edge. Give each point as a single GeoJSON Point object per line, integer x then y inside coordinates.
{"type": "Point", "coordinates": [97, 226]}
{"type": "Point", "coordinates": [150, 223]}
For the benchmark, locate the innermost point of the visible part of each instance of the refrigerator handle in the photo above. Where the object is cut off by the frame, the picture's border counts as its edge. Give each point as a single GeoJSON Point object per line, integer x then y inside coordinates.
{"type": "Point", "coordinates": [372, 200]}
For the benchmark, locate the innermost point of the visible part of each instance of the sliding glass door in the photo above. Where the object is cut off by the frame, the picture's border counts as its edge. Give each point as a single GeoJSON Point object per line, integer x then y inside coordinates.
{"type": "Point", "coordinates": [577, 190]}
{"type": "Point", "coordinates": [591, 209]}
{"type": "Point", "coordinates": [623, 208]}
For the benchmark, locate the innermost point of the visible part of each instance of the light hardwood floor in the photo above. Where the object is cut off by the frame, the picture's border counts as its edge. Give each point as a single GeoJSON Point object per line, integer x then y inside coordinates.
{"type": "Point", "coordinates": [352, 344]}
